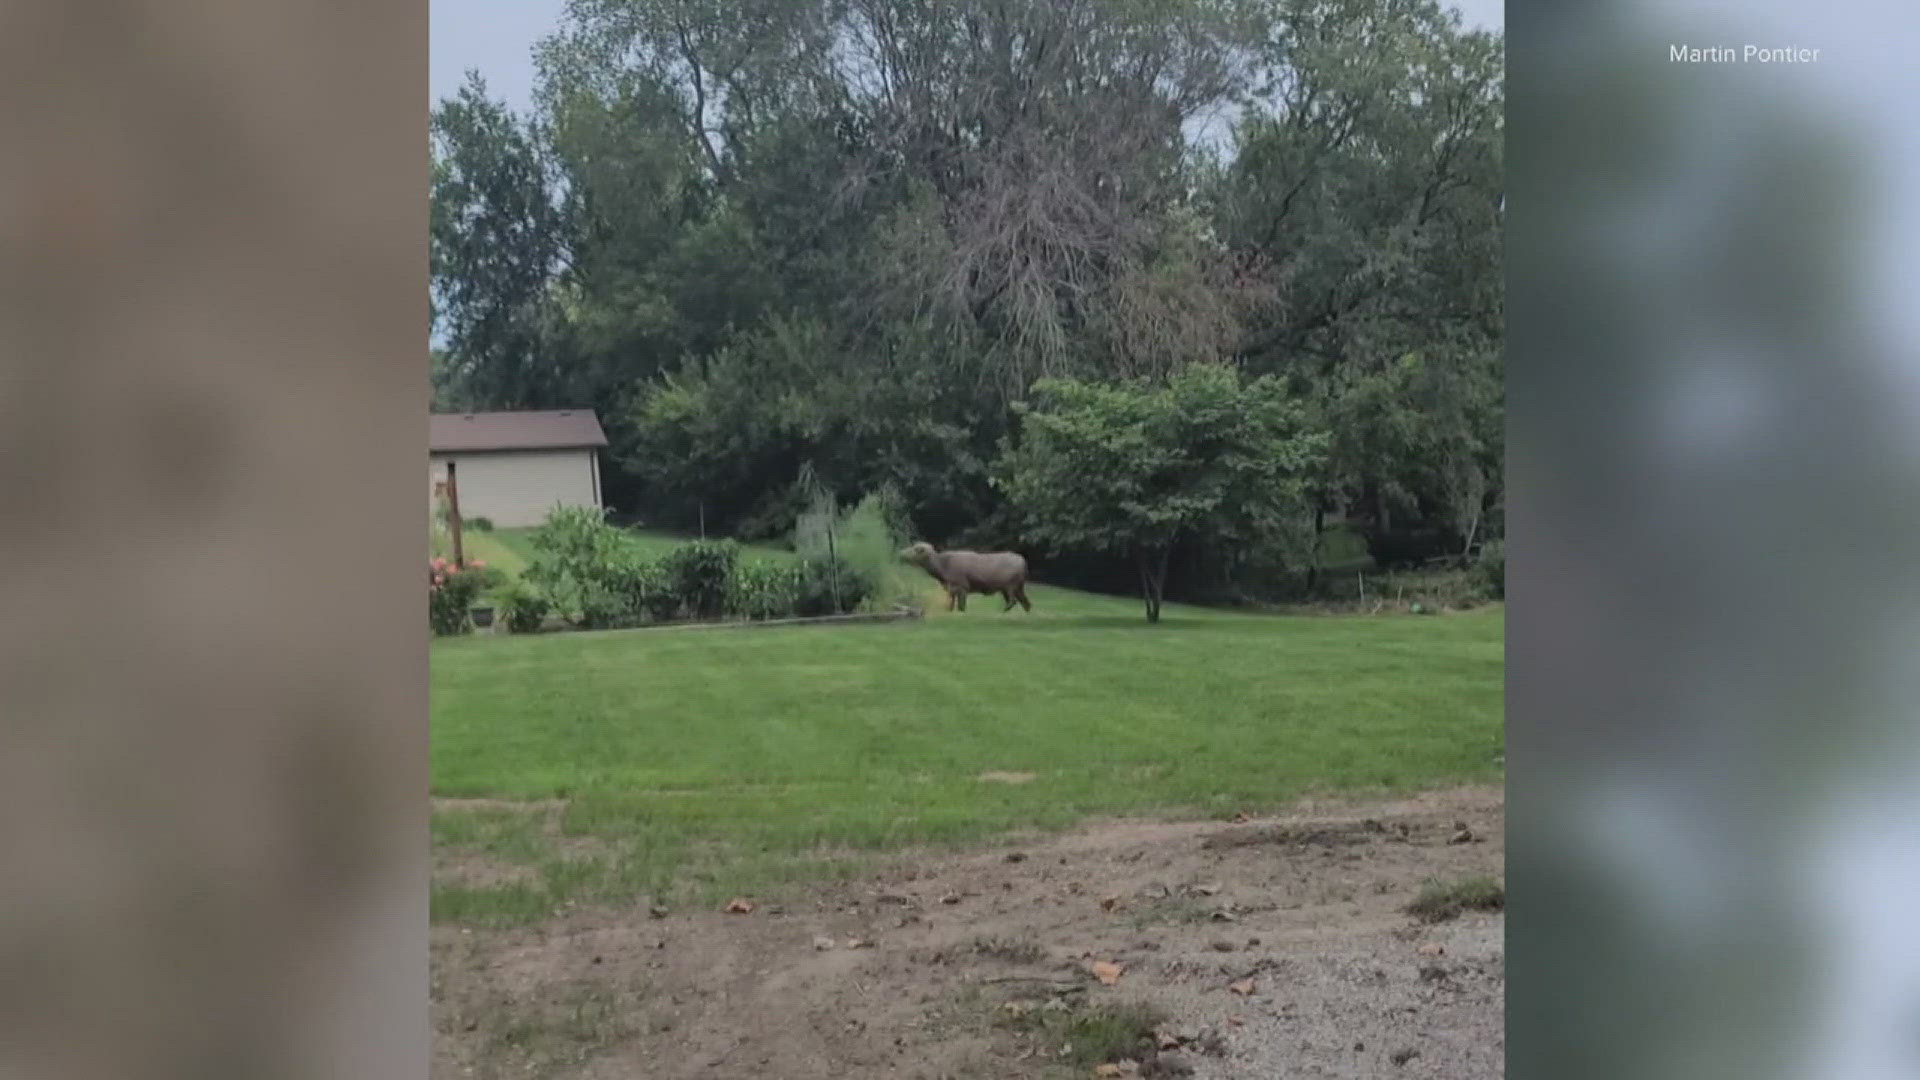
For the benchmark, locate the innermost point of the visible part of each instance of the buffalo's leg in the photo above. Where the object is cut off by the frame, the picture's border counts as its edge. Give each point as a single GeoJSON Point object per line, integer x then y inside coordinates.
{"type": "Point", "coordinates": [1008, 595]}
{"type": "Point", "coordinates": [1020, 593]}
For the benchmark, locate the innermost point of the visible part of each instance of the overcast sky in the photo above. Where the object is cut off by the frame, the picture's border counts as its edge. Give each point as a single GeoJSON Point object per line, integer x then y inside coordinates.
{"type": "Point", "coordinates": [497, 37]}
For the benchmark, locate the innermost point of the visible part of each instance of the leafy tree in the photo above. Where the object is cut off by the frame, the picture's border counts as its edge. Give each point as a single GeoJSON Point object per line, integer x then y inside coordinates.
{"type": "Point", "coordinates": [852, 233]}
{"type": "Point", "coordinates": [494, 246]}
{"type": "Point", "coordinates": [1138, 469]}
{"type": "Point", "coordinates": [1365, 184]}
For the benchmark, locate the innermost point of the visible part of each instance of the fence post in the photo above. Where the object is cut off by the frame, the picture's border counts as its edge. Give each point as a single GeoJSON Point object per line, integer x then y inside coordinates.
{"type": "Point", "coordinates": [453, 518]}
{"type": "Point", "coordinates": [833, 563]}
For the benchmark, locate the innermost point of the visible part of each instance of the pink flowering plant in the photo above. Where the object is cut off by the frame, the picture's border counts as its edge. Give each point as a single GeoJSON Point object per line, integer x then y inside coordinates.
{"type": "Point", "coordinates": [451, 591]}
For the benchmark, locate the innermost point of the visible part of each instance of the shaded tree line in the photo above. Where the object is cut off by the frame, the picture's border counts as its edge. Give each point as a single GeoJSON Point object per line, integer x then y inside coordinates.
{"type": "Point", "coordinates": [877, 238]}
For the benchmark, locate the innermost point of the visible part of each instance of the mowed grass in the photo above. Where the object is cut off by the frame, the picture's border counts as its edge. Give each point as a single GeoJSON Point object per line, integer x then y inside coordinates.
{"type": "Point", "coordinates": [692, 765]}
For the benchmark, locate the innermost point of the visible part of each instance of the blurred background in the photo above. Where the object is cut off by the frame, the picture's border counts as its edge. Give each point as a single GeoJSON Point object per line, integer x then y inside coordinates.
{"type": "Point", "coordinates": [1712, 473]}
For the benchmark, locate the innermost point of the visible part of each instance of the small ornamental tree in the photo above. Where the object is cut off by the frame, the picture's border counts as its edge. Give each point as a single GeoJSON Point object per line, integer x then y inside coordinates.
{"type": "Point", "coordinates": [1136, 469]}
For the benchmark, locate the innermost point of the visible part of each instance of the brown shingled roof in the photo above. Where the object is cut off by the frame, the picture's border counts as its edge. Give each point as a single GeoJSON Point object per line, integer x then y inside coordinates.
{"type": "Point", "coordinates": [565, 429]}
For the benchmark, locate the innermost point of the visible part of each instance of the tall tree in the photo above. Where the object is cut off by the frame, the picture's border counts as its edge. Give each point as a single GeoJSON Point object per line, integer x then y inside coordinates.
{"type": "Point", "coordinates": [852, 233]}
{"type": "Point", "coordinates": [494, 247]}
{"type": "Point", "coordinates": [1366, 183]}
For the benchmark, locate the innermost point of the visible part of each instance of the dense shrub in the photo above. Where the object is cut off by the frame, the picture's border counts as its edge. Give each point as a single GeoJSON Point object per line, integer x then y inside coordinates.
{"type": "Point", "coordinates": [450, 595]}
{"type": "Point", "coordinates": [647, 592]}
{"type": "Point", "coordinates": [1410, 548]}
{"type": "Point", "coordinates": [522, 610]}
{"type": "Point", "coordinates": [581, 563]}
{"type": "Point", "coordinates": [856, 548]}
{"type": "Point", "coordinates": [829, 587]}
{"type": "Point", "coordinates": [479, 524]}
{"type": "Point", "coordinates": [697, 573]}
{"type": "Point", "coordinates": [489, 579]}
{"type": "Point", "coordinates": [1493, 568]}
{"type": "Point", "coordinates": [763, 590]}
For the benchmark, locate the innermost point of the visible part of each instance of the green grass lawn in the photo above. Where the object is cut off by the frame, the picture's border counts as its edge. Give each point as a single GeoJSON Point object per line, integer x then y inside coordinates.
{"type": "Point", "coordinates": [697, 764]}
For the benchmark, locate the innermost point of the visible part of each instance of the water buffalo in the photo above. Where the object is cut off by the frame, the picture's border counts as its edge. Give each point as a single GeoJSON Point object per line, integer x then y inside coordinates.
{"type": "Point", "coordinates": [963, 572]}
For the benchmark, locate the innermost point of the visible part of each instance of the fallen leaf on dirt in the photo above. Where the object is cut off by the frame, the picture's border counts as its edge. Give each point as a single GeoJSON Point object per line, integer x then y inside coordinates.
{"type": "Point", "coordinates": [823, 943]}
{"type": "Point", "coordinates": [1244, 987]}
{"type": "Point", "coordinates": [1433, 949]}
{"type": "Point", "coordinates": [1016, 1009]}
{"type": "Point", "coordinates": [1207, 890]}
{"type": "Point", "coordinates": [1167, 1040]}
{"type": "Point", "coordinates": [950, 898]}
{"type": "Point", "coordinates": [657, 911]}
{"type": "Point", "coordinates": [1107, 971]}
{"type": "Point", "coordinates": [1241, 818]}
{"type": "Point", "coordinates": [1109, 1069]}
{"type": "Point", "coordinates": [859, 943]}
{"type": "Point", "coordinates": [1237, 1021]}
{"type": "Point", "coordinates": [1109, 903]}
{"type": "Point", "coordinates": [739, 906]}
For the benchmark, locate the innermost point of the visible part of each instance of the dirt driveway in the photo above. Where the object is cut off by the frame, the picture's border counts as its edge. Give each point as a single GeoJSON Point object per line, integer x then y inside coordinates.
{"type": "Point", "coordinates": [1267, 948]}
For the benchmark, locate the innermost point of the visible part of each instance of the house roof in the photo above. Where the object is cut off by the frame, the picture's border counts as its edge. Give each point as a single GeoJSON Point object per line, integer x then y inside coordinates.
{"type": "Point", "coordinates": [565, 429]}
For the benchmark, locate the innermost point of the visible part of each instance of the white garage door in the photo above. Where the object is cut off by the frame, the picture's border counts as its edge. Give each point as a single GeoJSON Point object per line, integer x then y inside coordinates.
{"type": "Point", "coordinates": [517, 487]}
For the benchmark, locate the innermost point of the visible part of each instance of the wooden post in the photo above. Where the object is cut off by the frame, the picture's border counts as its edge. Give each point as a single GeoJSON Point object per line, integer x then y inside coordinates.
{"type": "Point", "coordinates": [833, 565]}
{"type": "Point", "coordinates": [453, 518]}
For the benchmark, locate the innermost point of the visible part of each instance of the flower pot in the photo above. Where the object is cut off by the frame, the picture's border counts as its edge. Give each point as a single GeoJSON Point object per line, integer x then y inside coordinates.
{"type": "Point", "coordinates": [482, 615]}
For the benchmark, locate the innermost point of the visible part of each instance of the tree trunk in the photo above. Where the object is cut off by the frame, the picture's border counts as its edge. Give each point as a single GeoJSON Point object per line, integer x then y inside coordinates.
{"type": "Point", "coordinates": [1153, 579]}
{"type": "Point", "coordinates": [1313, 562]}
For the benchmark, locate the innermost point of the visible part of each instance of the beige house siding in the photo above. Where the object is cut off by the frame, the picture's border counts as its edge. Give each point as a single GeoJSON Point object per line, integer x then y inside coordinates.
{"type": "Point", "coordinates": [513, 488]}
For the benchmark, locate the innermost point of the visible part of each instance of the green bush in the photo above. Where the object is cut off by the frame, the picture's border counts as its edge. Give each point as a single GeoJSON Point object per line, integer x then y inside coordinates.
{"type": "Point", "coordinates": [450, 595]}
{"type": "Point", "coordinates": [1493, 568]}
{"type": "Point", "coordinates": [829, 587]}
{"type": "Point", "coordinates": [522, 610]}
{"type": "Point", "coordinates": [646, 592]}
{"type": "Point", "coordinates": [580, 563]}
{"type": "Point", "coordinates": [480, 524]}
{"type": "Point", "coordinates": [698, 573]}
{"type": "Point", "coordinates": [858, 547]}
{"type": "Point", "coordinates": [763, 590]}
